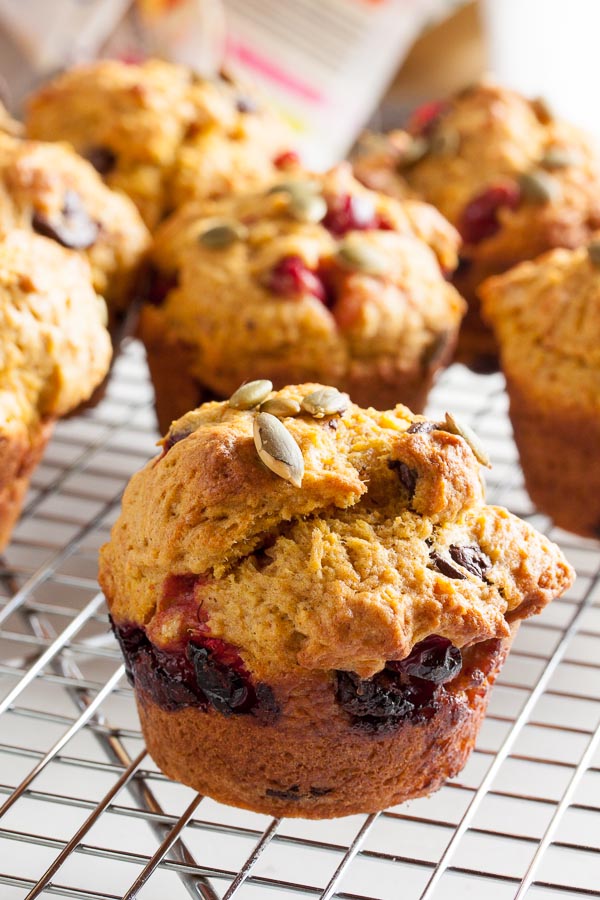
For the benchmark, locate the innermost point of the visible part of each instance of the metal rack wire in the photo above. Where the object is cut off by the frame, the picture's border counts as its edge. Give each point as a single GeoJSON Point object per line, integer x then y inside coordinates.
{"type": "Point", "coordinates": [85, 814]}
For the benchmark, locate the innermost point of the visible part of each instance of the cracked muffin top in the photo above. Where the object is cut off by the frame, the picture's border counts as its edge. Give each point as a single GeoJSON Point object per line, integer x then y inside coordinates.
{"type": "Point", "coordinates": [159, 132]}
{"type": "Point", "coordinates": [318, 262]}
{"type": "Point", "coordinates": [511, 177]}
{"type": "Point", "coordinates": [54, 347]}
{"type": "Point", "coordinates": [546, 317]}
{"type": "Point", "coordinates": [49, 189]}
{"type": "Point", "coordinates": [319, 539]}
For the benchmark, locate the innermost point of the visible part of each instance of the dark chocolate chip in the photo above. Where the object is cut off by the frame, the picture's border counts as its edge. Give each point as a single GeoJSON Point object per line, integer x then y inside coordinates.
{"type": "Point", "coordinates": [473, 559]}
{"type": "Point", "coordinates": [408, 477]}
{"type": "Point", "coordinates": [102, 158]}
{"type": "Point", "coordinates": [73, 229]}
{"type": "Point", "coordinates": [445, 566]}
{"type": "Point", "coordinates": [246, 105]}
{"type": "Point", "coordinates": [422, 428]}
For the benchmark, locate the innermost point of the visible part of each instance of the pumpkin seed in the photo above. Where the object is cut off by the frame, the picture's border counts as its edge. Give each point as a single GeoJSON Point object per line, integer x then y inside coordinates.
{"type": "Point", "coordinates": [354, 254]}
{"type": "Point", "coordinates": [325, 401]}
{"type": "Point", "coordinates": [223, 234]}
{"type": "Point", "coordinates": [594, 253]}
{"type": "Point", "coordinates": [281, 407]}
{"type": "Point", "coordinates": [539, 187]}
{"type": "Point", "coordinates": [277, 448]}
{"type": "Point", "coordinates": [561, 157]}
{"type": "Point", "coordinates": [446, 142]}
{"type": "Point", "coordinates": [250, 394]}
{"type": "Point", "coordinates": [413, 152]}
{"type": "Point", "coordinates": [305, 186]}
{"type": "Point", "coordinates": [307, 207]}
{"type": "Point", "coordinates": [542, 110]}
{"type": "Point", "coordinates": [467, 434]}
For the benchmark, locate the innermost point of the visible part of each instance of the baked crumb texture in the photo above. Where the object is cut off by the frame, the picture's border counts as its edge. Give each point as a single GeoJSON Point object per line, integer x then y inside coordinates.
{"type": "Point", "coordinates": [54, 350]}
{"type": "Point", "coordinates": [511, 177]}
{"type": "Point", "coordinates": [546, 318]}
{"type": "Point", "coordinates": [313, 278]}
{"type": "Point", "coordinates": [324, 649]}
{"type": "Point", "coordinates": [161, 134]}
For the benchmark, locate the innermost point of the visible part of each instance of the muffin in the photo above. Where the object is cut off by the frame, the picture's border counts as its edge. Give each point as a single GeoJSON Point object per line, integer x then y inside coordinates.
{"type": "Point", "coordinates": [514, 180]}
{"type": "Point", "coordinates": [313, 278]}
{"type": "Point", "coordinates": [54, 349]}
{"type": "Point", "coordinates": [49, 189]}
{"type": "Point", "coordinates": [158, 132]}
{"type": "Point", "coordinates": [313, 605]}
{"type": "Point", "coordinates": [8, 125]}
{"type": "Point", "coordinates": [546, 318]}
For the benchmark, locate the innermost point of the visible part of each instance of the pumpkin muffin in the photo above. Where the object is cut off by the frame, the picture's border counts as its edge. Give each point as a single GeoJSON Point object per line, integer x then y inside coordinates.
{"type": "Point", "coordinates": [50, 190]}
{"type": "Point", "coordinates": [514, 180]}
{"type": "Point", "coordinates": [159, 132]}
{"type": "Point", "coordinates": [313, 600]}
{"type": "Point", "coordinates": [546, 318]}
{"type": "Point", "coordinates": [54, 350]}
{"type": "Point", "coordinates": [314, 277]}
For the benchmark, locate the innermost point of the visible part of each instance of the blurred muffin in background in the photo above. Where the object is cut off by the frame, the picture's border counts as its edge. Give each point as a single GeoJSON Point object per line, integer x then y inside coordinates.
{"type": "Point", "coordinates": [546, 318]}
{"type": "Point", "coordinates": [514, 180]}
{"type": "Point", "coordinates": [160, 133]}
{"type": "Point", "coordinates": [55, 351]}
{"type": "Point", "coordinates": [312, 278]}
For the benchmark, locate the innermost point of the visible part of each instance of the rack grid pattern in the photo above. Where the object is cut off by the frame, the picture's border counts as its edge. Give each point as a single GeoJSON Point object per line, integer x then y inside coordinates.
{"type": "Point", "coordinates": [85, 814]}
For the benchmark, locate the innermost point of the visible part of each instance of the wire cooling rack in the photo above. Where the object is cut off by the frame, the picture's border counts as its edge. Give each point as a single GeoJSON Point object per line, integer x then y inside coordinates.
{"type": "Point", "coordinates": [85, 814]}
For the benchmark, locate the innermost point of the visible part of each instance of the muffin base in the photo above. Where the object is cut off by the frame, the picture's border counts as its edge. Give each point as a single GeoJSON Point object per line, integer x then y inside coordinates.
{"type": "Point", "coordinates": [380, 384]}
{"type": "Point", "coordinates": [557, 446]}
{"type": "Point", "coordinates": [19, 455]}
{"type": "Point", "coordinates": [312, 762]}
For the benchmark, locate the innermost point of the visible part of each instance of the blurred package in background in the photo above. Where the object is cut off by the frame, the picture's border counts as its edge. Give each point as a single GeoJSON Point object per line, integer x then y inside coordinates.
{"type": "Point", "coordinates": [324, 63]}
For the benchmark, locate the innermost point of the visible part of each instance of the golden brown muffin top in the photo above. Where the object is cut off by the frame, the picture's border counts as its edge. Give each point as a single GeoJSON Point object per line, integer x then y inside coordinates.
{"type": "Point", "coordinates": [382, 540]}
{"type": "Point", "coordinates": [537, 177]}
{"type": "Point", "coordinates": [54, 347]}
{"type": "Point", "coordinates": [157, 131]}
{"type": "Point", "coordinates": [546, 316]}
{"type": "Point", "coordinates": [311, 274]}
{"type": "Point", "coordinates": [49, 189]}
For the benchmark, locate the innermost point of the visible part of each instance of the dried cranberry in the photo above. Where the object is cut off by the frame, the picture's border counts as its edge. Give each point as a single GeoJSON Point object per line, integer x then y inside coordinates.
{"type": "Point", "coordinates": [291, 277]}
{"type": "Point", "coordinates": [435, 659]}
{"type": "Point", "coordinates": [73, 227]}
{"type": "Point", "coordinates": [407, 690]}
{"type": "Point", "coordinates": [445, 566]}
{"type": "Point", "coordinates": [156, 285]}
{"type": "Point", "coordinates": [348, 213]}
{"type": "Point", "coordinates": [425, 117]}
{"type": "Point", "coordinates": [223, 686]}
{"type": "Point", "coordinates": [102, 158]}
{"type": "Point", "coordinates": [201, 673]}
{"type": "Point", "coordinates": [287, 159]}
{"type": "Point", "coordinates": [182, 587]}
{"type": "Point", "coordinates": [407, 476]}
{"type": "Point", "coordinates": [479, 218]}
{"type": "Point", "coordinates": [473, 559]}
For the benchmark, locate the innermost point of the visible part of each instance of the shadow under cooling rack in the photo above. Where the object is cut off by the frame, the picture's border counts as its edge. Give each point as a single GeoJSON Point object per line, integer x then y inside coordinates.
{"type": "Point", "coordinates": [84, 813]}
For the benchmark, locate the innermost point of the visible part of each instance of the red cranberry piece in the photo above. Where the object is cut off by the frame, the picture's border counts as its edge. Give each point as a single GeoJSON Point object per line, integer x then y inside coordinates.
{"type": "Point", "coordinates": [291, 277]}
{"type": "Point", "coordinates": [287, 159]}
{"type": "Point", "coordinates": [156, 285]}
{"type": "Point", "coordinates": [435, 659]}
{"type": "Point", "coordinates": [102, 158]}
{"type": "Point", "coordinates": [348, 213]}
{"type": "Point", "coordinates": [479, 218]}
{"type": "Point", "coordinates": [425, 117]}
{"type": "Point", "coordinates": [182, 587]}
{"type": "Point", "coordinates": [223, 687]}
